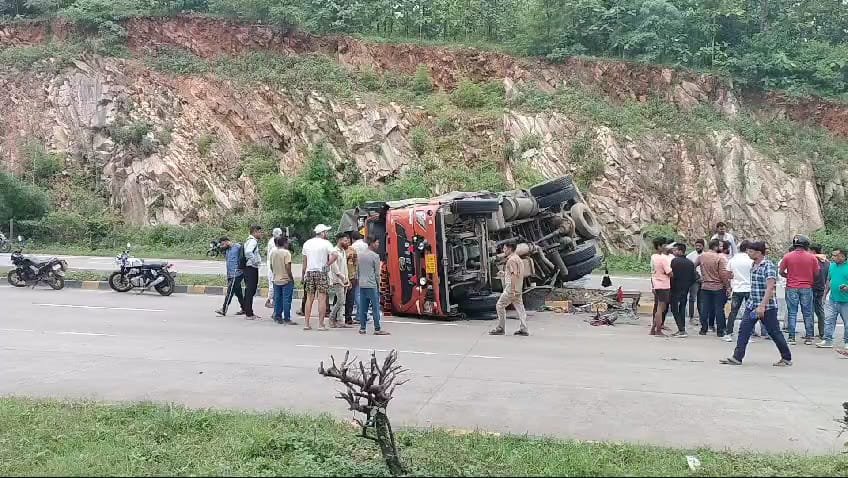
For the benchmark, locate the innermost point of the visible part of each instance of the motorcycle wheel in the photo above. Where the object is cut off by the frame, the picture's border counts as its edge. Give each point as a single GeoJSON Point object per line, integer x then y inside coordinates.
{"type": "Point", "coordinates": [15, 279]}
{"type": "Point", "coordinates": [57, 282]}
{"type": "Point", "coordinates": [6, 247]}
{"type": "Point", "coordinates": [166, 288]}
{"type": "Point", "coordinates": [119, 283]}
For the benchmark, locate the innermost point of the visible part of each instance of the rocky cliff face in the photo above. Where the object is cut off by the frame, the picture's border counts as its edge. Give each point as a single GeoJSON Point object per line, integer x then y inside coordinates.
{"type": "Point", "coordinates": [186, 168]}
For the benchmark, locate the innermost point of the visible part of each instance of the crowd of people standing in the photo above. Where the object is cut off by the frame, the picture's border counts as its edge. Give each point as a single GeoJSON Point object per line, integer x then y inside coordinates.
{"type": "Point", "coordinates": [340, 278]}
{"type": "Point", "coordinates": [724, 269]}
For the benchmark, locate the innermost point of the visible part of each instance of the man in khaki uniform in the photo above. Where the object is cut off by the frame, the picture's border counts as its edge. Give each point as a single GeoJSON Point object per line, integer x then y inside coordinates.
{"type": "Point", "coordinates": [513, 283]}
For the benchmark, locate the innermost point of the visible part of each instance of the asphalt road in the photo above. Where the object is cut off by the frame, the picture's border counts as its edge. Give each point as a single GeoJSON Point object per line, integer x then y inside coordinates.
{"type": "Point", "coordinates": [568, 379]}
{"type": "Point", "coordinates": [187, 266]}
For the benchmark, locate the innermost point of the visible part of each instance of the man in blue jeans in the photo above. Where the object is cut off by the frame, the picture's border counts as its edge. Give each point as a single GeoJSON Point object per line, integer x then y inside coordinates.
{"type": "Point", "coordinates": [280, 263]}
{"type": "Point", "coordinates": [369, 287]}
{"type": "Point", "coordinates": [800, 267]}
{"type": "Point", "coordinates": [762, 306]}
{"type": "Point", "coordinates": [234, 276]}
{"type": "Point", "coordinates": [837, 305]}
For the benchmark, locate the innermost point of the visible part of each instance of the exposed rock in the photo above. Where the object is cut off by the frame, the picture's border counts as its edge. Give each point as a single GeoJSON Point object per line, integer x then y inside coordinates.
{"type": "Point", "coordinates": [687, 182]}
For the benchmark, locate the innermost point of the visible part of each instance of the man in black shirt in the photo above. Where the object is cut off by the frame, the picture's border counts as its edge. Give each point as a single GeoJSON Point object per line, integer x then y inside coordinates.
{"type": "Point", "coordinates": [682, 278]}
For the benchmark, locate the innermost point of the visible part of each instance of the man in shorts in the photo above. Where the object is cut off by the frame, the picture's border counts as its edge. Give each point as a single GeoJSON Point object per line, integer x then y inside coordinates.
{"type": "Point", "coordinates": [660, 284]}
{"type": "Point", "coordinates": [318, 256]}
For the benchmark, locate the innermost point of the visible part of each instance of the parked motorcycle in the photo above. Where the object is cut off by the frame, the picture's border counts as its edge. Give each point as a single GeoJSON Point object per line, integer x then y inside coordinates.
{"type": "Point", "coordinates": [30, 270]}
{"type": "Point", "coordinates": [134, 273]}
{"type": "Point", "coordinates": [5, 244]}
{"type": "Point", "coordinates": [215, 249]}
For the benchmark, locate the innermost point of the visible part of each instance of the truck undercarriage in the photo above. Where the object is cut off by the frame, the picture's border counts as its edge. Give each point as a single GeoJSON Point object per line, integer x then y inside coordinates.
{"type": "Point", "coordinates": [441, 256]}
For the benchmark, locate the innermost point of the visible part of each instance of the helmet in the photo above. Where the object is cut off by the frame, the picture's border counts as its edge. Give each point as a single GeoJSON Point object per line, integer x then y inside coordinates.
{"type": "Point", "coordinates": [801, 240]}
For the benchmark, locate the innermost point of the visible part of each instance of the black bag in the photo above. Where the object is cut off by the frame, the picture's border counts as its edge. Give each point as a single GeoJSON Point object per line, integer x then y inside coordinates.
{"type": "Point", "coordinates": [242, 259]}
{"type": "Point", "coordinates": [606, 281]}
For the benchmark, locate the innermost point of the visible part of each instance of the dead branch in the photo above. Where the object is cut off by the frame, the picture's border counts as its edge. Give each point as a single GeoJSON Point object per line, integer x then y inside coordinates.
{"type": "Point", "coordinates": [369, 391]}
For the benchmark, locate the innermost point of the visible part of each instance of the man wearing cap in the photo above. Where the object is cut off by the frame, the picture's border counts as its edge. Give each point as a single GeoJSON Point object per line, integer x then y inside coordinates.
{"type": "Point", "coordinates": [318, 256]}
{"type": "Point", "coordinates": [762, 306]}
{"type": "Point", "coordinates": [800, 268]}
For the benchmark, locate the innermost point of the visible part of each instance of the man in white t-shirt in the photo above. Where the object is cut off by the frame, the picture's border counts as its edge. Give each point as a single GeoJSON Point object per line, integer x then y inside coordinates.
{"type": "Point", "coordinates": [318, 256]}
{"type": "Point", "coordinates": [740, 265]}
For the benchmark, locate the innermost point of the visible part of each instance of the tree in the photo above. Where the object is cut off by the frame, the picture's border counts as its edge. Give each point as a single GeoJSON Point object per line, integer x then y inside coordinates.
{"type": "Point", "coordinates": [311, 197]}
{"type": "Point", "coordinates": [369, 391]}
{"type": "Point", "coordinates": [19, 200]}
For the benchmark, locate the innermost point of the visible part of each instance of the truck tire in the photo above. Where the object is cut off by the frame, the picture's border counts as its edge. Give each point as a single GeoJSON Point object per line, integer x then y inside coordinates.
{"type": "Point", "coordinates": [479, 307]}
{"type": "Point", "coordinates": [475, 206]}
{"type": "Point", "coordinates": [583, 268]}
{"type": "Point", "coordinates": [551, 186]}
{"type": "Point", "coordinates": [584, 252]}
{"type": "Point", "coordinates": [557, 198]}
{"type": "Point", "coordinates": [584, 221]}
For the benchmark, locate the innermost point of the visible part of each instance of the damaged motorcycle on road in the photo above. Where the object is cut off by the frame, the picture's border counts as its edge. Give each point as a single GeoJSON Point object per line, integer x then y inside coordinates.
{"type": "Point", "coordinates": [135, 273]}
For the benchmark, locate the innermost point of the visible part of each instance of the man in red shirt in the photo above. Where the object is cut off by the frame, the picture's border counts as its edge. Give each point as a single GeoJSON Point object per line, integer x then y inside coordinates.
{"type": "Point", "coordinates": [800, 267]}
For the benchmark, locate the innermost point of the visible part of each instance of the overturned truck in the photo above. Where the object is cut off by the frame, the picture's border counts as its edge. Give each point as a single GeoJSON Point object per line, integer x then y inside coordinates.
{"type": "Point", "coordinates": [441, 256]}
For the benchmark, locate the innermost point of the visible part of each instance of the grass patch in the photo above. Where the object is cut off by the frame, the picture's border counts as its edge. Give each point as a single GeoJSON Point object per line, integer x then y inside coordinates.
{"type": "Point", "coordinates": [83, 438]}
{"type": "Point", "coordinates": [627, 264]}
{"type": "Point", "coordinates": [48, 57]}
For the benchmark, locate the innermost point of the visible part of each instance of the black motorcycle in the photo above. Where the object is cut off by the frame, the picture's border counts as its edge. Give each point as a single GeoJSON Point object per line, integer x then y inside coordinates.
{"type": "Point", "coordinates": [31, 270]}
{"type": "Point", "coordinates": [215, 249]}
{"type": "Point", "coordinates": [136, 274]}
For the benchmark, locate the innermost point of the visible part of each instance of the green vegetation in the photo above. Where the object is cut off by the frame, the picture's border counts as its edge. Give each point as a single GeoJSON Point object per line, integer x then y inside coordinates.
{"type": "Point", "coordinates": [422, 83]}
{"type": "Point", "coordinates": [628, 264]}
{"type": "Point", "coordinates": [131, 134]}
{"type": "Point", "coordinates": [420, 140]}
{"type": "Point", "coordinates": [49, 57]}
{"type": "Point", "coordinates": [311, 197]}
{"type": "Point", "coordinates": [19, 200]}
{"type": "Point", "coordinates": [204, 145]}
{"type": "Point", "coordinates": [43, 166]}
{"type": "Point", "coordinates": [83, 438]}
{"type": "Point", "coordinates": [798, 46]}
{"type": "Point", "coordinates": [259, 161]}
{"type": "Point", "coordinates": [468, 94]}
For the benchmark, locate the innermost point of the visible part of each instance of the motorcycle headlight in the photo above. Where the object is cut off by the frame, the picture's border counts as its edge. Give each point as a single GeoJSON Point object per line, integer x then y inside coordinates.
{"type": "Point", "coordinates": [422, 281]}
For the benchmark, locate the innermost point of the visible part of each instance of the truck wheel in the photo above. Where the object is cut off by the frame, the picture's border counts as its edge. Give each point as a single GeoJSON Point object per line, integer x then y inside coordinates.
{"type": "Point", "coordinates": [557, 198]}
{"type": "Point", "coordinates": [475, 206]}
{"type": "Point", "coordinates": [584, 252]}
{"type": "Point", "coordinates": [479, 307]}
{"type": "Point", "coordinates": [551, 186]}
{"type": "Point", "coordinates": [583, 268]}
{"type": "Point", "coordinates": [584, 221]}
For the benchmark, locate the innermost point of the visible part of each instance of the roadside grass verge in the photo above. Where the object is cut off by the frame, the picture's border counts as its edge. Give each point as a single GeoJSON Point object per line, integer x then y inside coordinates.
{"type": "Point", "coordinates": [83, 438]}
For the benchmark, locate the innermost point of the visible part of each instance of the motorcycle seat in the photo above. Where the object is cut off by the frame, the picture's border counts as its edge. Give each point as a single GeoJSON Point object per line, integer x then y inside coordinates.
{"type": "Point", "coordinates": [154, 265]}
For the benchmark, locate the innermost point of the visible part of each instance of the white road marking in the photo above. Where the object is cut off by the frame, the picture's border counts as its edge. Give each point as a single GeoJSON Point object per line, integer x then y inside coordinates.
{"type": "Point", "coordinates": [85, 333]}
{"type": "Point", "coordinates": [414, 352]}
{"type": "Point", "coordinates": [92, 334]}
{"type": "Point", "coordinates": [100, 307]}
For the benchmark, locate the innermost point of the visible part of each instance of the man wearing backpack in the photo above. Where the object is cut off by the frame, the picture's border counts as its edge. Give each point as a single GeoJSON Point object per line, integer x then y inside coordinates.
{"type": "Point", "coordinates": [250, 262]}
{"type": "Point", "coordinates": [234, 275]}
